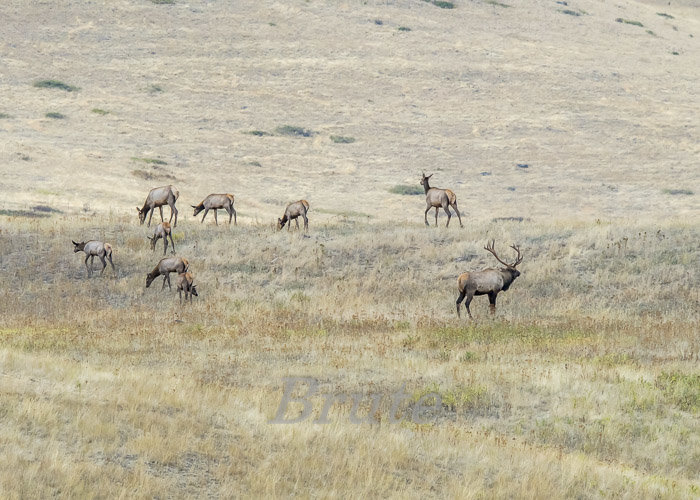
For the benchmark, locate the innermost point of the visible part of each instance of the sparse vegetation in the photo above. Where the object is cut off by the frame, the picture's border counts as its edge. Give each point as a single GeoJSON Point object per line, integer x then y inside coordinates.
{"type": "Point", "coordinates": [55, 115]}
{"type": "Point", "coordinates": [4, 115]}
{"type": "Point", "coordinates": [339, 139]}
{"type": "Point", "coordinates": [257, 133]}
{"type": "Point", "coordinates": [628, 21]}
{"type": "Point", "coordinates": [99, 111]}
{"type": "Point", "coordinates": [163, 2]}
{"type": "Point", "coordinates": [292, 130]}
{"type": "Point", "coordinates": [55, 84]}
{"type": "Point", "coordinates": [150, 161]}
{"type": "Point", "coordinates": [681, 191]}
{"type": "Point", "coordinates": [570, 12]}
{"type": "Point", "coordinates": [442, 4]}
{"type": "Point", "coordinates": [404, 28]}
{"type": "Point", "coordinates": [663, 14]}
{"type": "Point", "coordinates": [155, 89]}
{"type": "Point", "coordinates": [497, 4]}
{"type": "Point", "coordinates": [407, 189]}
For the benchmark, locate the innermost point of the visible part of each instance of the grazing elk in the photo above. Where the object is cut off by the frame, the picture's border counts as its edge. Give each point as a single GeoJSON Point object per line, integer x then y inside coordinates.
{"type": "Point", "coordinates": [292, 212]}
{"type": "Point", "coordinates": [165, 195]}
{"type": "Point", "coordinates": [436, 197]}
{"type": "Point", "coordinates": [94, 249]}
{"type": "Point", "coordinates": [184, 284]}
{"type": "Point", "coordinates": [162, 230]}
{"type": "Point", "coordinates": [215, 202]}
{"type": "Point", "coordinates": [166, 266]}
{"type": "Point", "coordinates": [488, 281]}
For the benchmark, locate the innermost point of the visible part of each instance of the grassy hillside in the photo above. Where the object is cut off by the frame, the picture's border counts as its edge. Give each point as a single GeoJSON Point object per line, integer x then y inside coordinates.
{"type": "Point", "coordinates": [568, 128]}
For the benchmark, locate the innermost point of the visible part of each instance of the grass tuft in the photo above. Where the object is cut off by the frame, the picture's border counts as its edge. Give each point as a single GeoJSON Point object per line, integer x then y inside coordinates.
{"type": "Point", "coordinates": [292, 130]}
{"type": "Point", "coordinates": [404, 28]}
{"type": "Point", "coordinates": [257, 133]}
{"type": "Point", "coordinates": [687, 192]}
{"type": "Point", "coordinates": [55, 84]}
{"type": "Point", "coordinates": [150, 161]}
{"type": "Point", "coordinates": [407, 189]}
{"type": "Point", "coordinates": [99, 111]}
{"type": "Point", "coordinates": [629, 21]}
{"type": "Point", "coordinates": [497, 4]}
{"type": "Point", "coordinates": [339, 139]}
{"type": "Point", "coordinates": [55, 115]}
{"type": "Point", "coordinates": [663, 14]}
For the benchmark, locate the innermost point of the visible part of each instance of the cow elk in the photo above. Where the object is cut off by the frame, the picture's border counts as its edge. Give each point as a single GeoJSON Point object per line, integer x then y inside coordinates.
{"type": "Point", "coordinates": [436, 198]}
{"type": "Point", "coordinates": [166, 266]}
{"type": "Point", "coordinates": [162, 230]}
{"type": "Point", "coordinates": [487, 281]}
{"type": "Point", "coordinates": [185, 284]}
{"type": "Point", "coordinates": [292, 212]}
{"type": "Point", "coordinates": [94, 249]}
{"type": "Point", "coordinates": [215, 202]}
{"type": "Point", "coordinates": [165, 195]}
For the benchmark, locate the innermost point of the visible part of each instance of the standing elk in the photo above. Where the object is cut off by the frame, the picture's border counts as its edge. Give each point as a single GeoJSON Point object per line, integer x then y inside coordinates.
{"type": "Point", "coordinates": [215, 202]}
{"type": "Point", "coordinates": [184, 284]}
{"type": "Point", "coordinates": [94, 249]}
{"type": "Point", "coordinates": [436, 197]}
{"type": "Point", "coordinates": [162, 230]}
{"type": "Point", "coordinates": [487, 281]}
{"type": "Point", "coordinates": [292, 212]}
{"type": "Point", "coordinates": [165, 195]}
{"type": "Point", "coordinates": [166, 266]}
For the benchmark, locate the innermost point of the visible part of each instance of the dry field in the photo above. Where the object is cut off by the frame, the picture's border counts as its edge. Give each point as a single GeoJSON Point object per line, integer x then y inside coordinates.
{"type": "Point", "coordinates": [585, 384]}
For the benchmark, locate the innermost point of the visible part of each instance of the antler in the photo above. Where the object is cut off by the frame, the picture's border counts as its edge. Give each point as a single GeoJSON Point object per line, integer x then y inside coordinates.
{"type": "Point", "coordinates": [519, 258]}
{"type": "Point", "coordinates": [489, 247]}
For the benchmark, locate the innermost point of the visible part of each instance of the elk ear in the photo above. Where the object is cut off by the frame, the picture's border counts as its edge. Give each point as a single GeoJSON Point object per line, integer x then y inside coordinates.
{"type": "Point", "coordinates": [193, 206]}
{"type": "Point", "coordinates": [138, 209]}
{"type": "Point", "coordinates": [74, 242]}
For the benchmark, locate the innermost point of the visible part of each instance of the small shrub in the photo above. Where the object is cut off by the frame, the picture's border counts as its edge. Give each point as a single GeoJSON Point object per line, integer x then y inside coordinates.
{"type": "Point", "coordinates": [163, 2]}
{"type": "Point", "coordinates": [99, 111]}
{"type": "Point", "coordinates": [55, 115]}
{"type": "Point", "coordinates": [46, 209]}
{"type": "Point", "coordinates": [404, 28]}
{"type": "Point", "coordinates": [54, 84]}
{"type": "Point", "coordinates": [378, 22]}
{"type": "Point", "coordinates": [663, 14]}
{"type": "Point", "coordinates": [681, 390]}
{"type": "Point", "coordinates": [407, 189]}
{"type": "Point", "coordinates": [339, 139]}
{"type": "Point", "coordinates": [257, 133]}
{"type": "Point", "coordinates": [570, 12]}
{"type": "Point", "coordinates": [4, 115]}
{"type": "Point", "coordinates": [651, 33]}
{"type": "Point", "coordinates": [150, 161]}
{"type": "Point", "coordinates": [441, 4]}
{"type": "Point", "coordinates": [294, 131]}
{"type": "Point", "coordinates": [628, 21]}
{"type": "Point", "coordinates": [678, 191]}
{"type": "Point", "coordinates": [674, 53]}
{"type": "Point", "coordinates": [497, 4]}
{"type": "Point", "coordinates": [155, 89]}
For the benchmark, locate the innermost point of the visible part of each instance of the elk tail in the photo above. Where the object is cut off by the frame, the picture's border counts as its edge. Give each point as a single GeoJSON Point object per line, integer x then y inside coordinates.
{"type": "Point", "coordinates": [176, 193]}
{"type": "Point", "coordinates": [451, 196]}
{"type": "Point", "coordinates": [108, 249]}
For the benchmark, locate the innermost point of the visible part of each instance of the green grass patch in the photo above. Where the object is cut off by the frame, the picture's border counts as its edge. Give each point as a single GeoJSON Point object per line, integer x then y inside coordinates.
{"type": "Point", "coordinates": [407, 189]}
{"type": "Point", "coordinates": [441, 4]}
{"type": "Point", "coordinates": [55, 84]}
{"type": "Point", "coordinates": [4, 115]}
{"type": "Point", "coordinates": [458, 398]}
{"type": "Point", "coordinates": [663, 14]}
{"type": "Point", "coordinates": [339, 139]}
{"type": "Point", "coordinates": [404, 28]}
{"type": "Point", "coordinates": [629, 21]}
{"type": "Point", "coordinates": [55, 115]}
{"type": "Point", "coordinates": [294, 131]}
{"type": "Point", "coordinates": [163, 2]}
{"type": "Point", "coordinates": [99, 111]}
{"type": "Point", "coordinates": [570, 12]}
{"type": "Point", "coordinates": [686, 192]}
{"type": "Point", "coordinates": [497, 4]}
{"type": "Point", "coordinates": [155, 89]}
{"type": "Point", "coordinates": [681, 390]}
{"type": "Point", "coordinates": [23, 213]}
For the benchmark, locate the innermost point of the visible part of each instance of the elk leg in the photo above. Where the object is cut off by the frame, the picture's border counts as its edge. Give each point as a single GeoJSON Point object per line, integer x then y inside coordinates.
{"type": "Point", "coordinates": [110, 261]}
{"type": "Point", "coordinates": [459, 302]}
{"type": "Point", "coordinates": [150, 217]}
{"type": "Point", "coordinates": [436, 214]}
{"type": "Point", "coordinates": [86, 266]}
{"type": "Point", "coordinates": [173, 210]}
{"type": "Point", "coordinates": [454, 205]}
{"type": "Point", "coordinates": [165, 277]}
{"type": "Point", "coordinates": [492, 302]}
{"type": "Point", "coordinates": [206, 211]}
{"type": "Point", "coordinates": [449, 215]}
{"type": "Point", "coordinates": [426, 215]}
{"type": "Point", "coordinates": [235, 217]}
{"type": "Point", "coordinates": [165, 245]}
{"type": "Point", "coordinates": [216, 219]}
{"type": "Point", "coordinates": [161, 213]}
{"type": "Point", "coordinates": [179, 292]}
{"type": "Point", "coordinates": [104, 264]}
{"type": "Point", "coordinates": [470, 296]}
{"type": "Point", "coordinates": [172, 243]}
{"type": "Point", "coordinates": [306, 223]}
{"type": "Point", "coordinates": [296, 219]}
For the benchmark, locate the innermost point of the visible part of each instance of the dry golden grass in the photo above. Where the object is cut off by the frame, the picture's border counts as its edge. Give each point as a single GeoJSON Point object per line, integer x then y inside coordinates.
{"type": "Point", "coordinates": [585, 384]}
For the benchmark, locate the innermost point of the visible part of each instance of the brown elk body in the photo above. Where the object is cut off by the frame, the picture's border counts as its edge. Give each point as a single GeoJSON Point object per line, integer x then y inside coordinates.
{"type": "Point", "coordinates": [166, 266]}
{"type": "Point", "coordinates": [94, 249]}
{"type": "Point", "coordinates": [437, 198]}
{"type": "Point", "coordinates": [162, 230]}
{"type": "Point", "coordinates": [487, 281]}
{"type": "Point", "coordinates": [215, 202]}
{"type": "Point", "coordinates": [185, 284]}
{"type": "Point", "coordinates": [292, 212]}
{"type": "Point", "coordinates": [165, 195]}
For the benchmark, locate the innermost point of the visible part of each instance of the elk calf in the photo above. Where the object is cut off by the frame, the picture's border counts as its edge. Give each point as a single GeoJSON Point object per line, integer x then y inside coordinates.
{"type": "Point", "coordinates": [165, 195]}
{"type": "Point", "coordinates": [94, 249]}
{"type": "Point", "coordinates": [162, 230]}
{"type": "Point", "coordinates": [166, 266]}
{"type": "Point", "coordinates": [292, 212]}
{"type": "Point", "coordinates": [215, 202]}
{"type": "Point", "coordinates": [487, 281]}
{"type": "Point", "coordinates": [184, 284]}
{"type": "Point", "coordinates": [436, 198]}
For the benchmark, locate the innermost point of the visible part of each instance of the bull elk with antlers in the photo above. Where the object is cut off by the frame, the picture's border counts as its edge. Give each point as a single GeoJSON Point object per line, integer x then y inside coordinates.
{"type": "Point", "coordinates": [215, 202]}
{"type": "Point", "coordinates": [487, 281]}
{"type": "Point", "coordinates": [157, 197]}
{"type": "Point", "coordinates": [436, 198]}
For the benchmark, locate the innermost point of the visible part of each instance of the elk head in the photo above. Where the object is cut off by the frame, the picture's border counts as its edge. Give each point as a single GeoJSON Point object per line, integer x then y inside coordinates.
{"type": "Point", "coordinates": [424, 179]}
{"type": "Point", "coordinates": [511, 268]}
{"type": "Point", "coordinates": [153, 240]}
{"type": "Point", "coordinates": [197, 209]}
{"type": "Point", "coordinates": [142, 215]}
{"type": "Point", "coordinates": [280, 224]}
{"type": "Point", "coordinates": [79, 247]}
{"type": "Point", "coordinates": [193, 290]}
{"type": "Point", "coordinates": [149, 279]}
